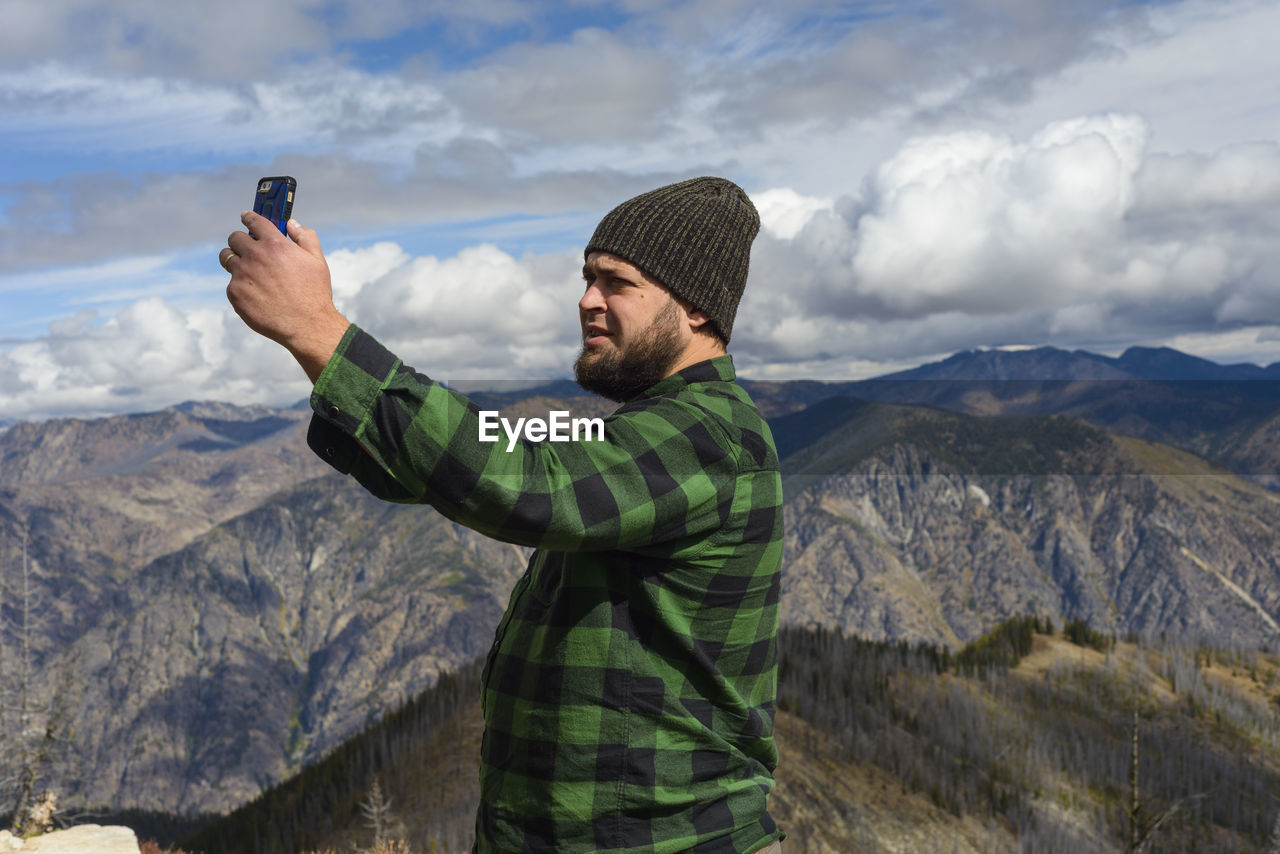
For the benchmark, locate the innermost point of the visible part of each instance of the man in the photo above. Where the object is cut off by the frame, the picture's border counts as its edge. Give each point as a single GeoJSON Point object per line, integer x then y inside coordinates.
{"type": "Point", "coordinates": [629, 694]}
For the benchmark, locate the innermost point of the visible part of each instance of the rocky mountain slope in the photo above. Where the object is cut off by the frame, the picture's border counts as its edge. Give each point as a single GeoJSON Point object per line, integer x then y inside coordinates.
{"type": "Point", "coordinates": [905, 522]}
{"type": "Point", "coordinates": [227, 664]}
{"type": "Point", "coordinates": [216, 609]}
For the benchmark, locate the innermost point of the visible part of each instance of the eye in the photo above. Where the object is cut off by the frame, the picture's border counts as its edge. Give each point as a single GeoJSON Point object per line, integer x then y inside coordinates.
{"type": "Point", "coordinates": [606, 280]}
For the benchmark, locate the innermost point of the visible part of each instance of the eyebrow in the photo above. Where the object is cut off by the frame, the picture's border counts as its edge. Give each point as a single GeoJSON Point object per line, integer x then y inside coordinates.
{"type": "Point", "coordinates": [605, 269]}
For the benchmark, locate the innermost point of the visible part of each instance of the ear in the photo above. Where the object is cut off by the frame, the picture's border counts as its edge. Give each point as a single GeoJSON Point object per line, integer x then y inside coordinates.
{"type": "Point", "coordinates": [697, 320]}
{"type": "Point", "coordinates": [702, 327]}
{"type": "Point", "coordinates": [693, 316]}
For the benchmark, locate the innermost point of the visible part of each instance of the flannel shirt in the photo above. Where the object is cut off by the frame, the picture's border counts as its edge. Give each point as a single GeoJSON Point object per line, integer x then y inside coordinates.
{"type": "Point", "coordinates": [629, 694]}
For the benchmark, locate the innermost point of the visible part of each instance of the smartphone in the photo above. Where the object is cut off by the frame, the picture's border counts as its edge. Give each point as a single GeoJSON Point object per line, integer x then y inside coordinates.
{"type": "Point", "coordinates": [274, 199]}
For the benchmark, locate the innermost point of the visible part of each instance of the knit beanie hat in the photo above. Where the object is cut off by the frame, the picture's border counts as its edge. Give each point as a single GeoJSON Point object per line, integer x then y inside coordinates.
{"type": "Point", "coordinates": [693, 236]}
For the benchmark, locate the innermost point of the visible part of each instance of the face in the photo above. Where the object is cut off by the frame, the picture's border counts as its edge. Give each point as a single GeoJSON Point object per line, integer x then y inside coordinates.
{"type": "Point", "coordinates": [634, 332]}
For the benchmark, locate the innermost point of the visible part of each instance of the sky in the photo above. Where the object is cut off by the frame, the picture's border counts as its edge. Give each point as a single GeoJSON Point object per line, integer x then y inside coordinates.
{"type": "Point", "coordinates": [932, 176]}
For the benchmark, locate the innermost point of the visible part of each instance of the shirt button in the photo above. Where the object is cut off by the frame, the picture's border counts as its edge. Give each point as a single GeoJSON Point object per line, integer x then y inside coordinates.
{"type": "Point", "coordinates": [334, 412]}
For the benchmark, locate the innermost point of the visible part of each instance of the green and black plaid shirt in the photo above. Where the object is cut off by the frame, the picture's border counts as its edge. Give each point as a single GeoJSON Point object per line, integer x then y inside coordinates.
{"type": "Point", "coordinates": [629, 695]}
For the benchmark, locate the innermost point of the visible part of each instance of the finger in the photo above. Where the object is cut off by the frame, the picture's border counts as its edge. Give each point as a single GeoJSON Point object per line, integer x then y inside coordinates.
{"type": "Point", "coordinates": [259, 226]}
{"type": "Point", "coordinates": [243, 244]}
{"type": "Point", "coordinates": [233, 298]}
{"type": "Point", "coordinates": [225, 257]}
{"type": "Point", "coordinates": [305, 237]}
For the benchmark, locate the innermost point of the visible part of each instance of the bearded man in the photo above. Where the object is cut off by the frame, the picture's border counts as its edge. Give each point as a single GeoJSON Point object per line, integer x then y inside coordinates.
{"type": "Point", "coordinates": [629, 694]}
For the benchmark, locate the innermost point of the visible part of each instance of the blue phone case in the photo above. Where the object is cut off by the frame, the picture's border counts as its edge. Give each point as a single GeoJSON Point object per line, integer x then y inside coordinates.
{"type": "Point", "coordinates": [274, 199]}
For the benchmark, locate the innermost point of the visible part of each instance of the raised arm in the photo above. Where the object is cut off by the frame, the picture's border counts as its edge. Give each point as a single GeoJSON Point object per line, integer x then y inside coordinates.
{"type": "Point", "coordinates": [661, 471]}
{"type": "Point", "coordinates": [281, 289]}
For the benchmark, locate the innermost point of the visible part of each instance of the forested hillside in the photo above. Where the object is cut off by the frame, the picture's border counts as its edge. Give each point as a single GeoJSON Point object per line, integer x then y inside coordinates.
{"type": "Point", "coordinates": [1022, 741]}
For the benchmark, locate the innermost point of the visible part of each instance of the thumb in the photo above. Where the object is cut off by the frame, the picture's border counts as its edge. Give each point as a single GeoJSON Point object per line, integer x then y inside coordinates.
{"type": "Point", "coordinates": [305, 237]}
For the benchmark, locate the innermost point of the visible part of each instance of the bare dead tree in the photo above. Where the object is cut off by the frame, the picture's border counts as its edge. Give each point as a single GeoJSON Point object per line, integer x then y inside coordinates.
{"type": "Point", "coordinates": [1134, 810]}
{"type": "Point", "coordinates": [1273, 845]}
{"type": "Point", "coordinates": [31, 720]}
{"type": "Point", "coordinates": [378, 817]}
{"type": "Point", "coordinates": [1143, 822]}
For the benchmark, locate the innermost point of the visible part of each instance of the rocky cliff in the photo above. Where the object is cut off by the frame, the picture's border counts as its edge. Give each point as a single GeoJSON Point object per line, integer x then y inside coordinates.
{"type": "Point", "coordinates": [912, 523]}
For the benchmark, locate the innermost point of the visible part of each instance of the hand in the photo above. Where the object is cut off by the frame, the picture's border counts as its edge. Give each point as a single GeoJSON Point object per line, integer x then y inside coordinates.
{"type": "Point", "coordinates": [281, 289]}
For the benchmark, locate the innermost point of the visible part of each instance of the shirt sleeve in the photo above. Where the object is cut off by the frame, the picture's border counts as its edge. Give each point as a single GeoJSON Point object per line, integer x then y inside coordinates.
{"type": "Point", "coordinates": [663, 470]}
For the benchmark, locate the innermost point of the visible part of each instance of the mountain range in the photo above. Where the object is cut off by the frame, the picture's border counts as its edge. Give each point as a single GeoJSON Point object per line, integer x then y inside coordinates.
{"type": "Point", "coordinates": [217, 609]}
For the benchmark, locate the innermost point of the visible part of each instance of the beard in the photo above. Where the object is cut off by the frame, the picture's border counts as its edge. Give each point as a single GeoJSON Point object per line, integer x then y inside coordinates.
{"type": "Point", "coordinates": [620, 374]}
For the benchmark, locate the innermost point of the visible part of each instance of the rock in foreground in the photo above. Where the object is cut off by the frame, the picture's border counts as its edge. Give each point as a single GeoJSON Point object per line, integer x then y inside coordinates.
{"type": "Point", "coordinates": [85, 839]}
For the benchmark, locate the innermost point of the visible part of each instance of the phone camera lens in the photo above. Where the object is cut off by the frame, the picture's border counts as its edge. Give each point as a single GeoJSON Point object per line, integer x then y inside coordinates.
{"type": "Point", "coordinates": [264, 187]}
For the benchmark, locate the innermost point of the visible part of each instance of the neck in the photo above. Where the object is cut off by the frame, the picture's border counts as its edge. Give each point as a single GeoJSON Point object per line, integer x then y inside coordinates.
{"type": "Point", "coordinates": [700, 349]}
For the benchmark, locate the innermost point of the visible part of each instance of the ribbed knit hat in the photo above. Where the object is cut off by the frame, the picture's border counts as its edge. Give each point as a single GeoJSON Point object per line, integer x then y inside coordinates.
{"type": "Point", "coordinates": [693, 236]}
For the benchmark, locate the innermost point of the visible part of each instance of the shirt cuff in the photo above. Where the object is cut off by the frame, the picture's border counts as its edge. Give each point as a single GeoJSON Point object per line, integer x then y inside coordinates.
{"type": "Point", "coordinates": [332, 445]}
{"type": "Point", "coordinates": [345, 396]}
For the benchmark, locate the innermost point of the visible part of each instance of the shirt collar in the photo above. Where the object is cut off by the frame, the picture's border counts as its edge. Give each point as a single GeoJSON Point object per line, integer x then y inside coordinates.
{"type": "Point", "coordinates": [717, 369]}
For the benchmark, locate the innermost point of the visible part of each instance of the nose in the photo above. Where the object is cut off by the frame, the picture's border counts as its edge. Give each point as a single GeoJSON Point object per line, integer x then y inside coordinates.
{"type": "Point", "coordinates": [592, 300]}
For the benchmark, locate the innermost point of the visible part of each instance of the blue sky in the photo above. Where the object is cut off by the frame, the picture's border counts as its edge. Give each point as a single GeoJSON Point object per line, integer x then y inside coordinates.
{"type": "Point", "coordinates": [932, 176]}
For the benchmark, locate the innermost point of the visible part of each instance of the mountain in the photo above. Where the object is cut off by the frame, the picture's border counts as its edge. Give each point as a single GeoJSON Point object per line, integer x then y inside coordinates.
{"type": "Point", "coordinates": [1162, 395]}
{"type": "Point", "coordinates": [1229, 414]}
{"type": "Point", "coordinates": [1041, 363]}
{"type": "Point", "coordinates": [218, 610]}
{"type": "Point", "coordinates": [908, 522]}
{"type": "Point", "coordinates": [1052, 363]}
{"type": "Point", "coordinates": [98, 500]}
{"type": "Point", "coordinates": [255, 649]}
{"type": "Point", "coordinates": [206, 608]}
{"type": "Point", "coordinates": [1165, 363]}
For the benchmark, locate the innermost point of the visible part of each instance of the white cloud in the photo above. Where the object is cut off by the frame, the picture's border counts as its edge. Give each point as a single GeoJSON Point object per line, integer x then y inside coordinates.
{"type": "Point", "coordinates": [82, 278]}
{"type": "Point", "coordinates": [1256, 345]}
{"type": "Point", "coordinates": [58, 106]}
{"type": "Point", "coordinates": [1077, 235]}
{"type": "Point", "coordinates": [146, 356]}
{"type": "Point", "coordinates": [482, 314]}
{"type": "Point", "coordinates": [113, 215]}
{"type": "Point", "coordinates": [224, 40]}
{"type": "Point", "coordinates": [1201, 72]}
{"type": "Point", "coordinates": [1241, 174]}
{"type": "Point", "coordinates": [352, 269]}
{"type": "Point", "coordinates": [981, 222]}
{"type": "Point", "coordinates": [922, 184]}
{"type": "Point", "coordinates": [596, 87]}
{"type": "Point", "coordinates": [808, 97]}
{"type": "Point", "coordinates": [784, 212]}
